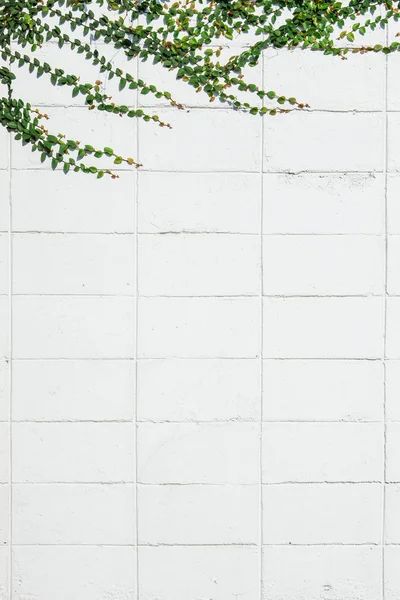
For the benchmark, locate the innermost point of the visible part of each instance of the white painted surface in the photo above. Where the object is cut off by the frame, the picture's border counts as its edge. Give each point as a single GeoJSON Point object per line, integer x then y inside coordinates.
{"type": "Point", "coordinates": [199, 361]}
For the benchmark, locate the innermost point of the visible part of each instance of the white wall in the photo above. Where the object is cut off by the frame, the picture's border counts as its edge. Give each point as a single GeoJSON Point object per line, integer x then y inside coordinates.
{"type": "Point", "coordinates": [200, 367]}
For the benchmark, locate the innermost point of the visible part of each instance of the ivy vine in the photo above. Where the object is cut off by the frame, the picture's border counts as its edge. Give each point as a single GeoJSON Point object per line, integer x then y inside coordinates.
{"type": "Point", "coordinates": [186, 37]}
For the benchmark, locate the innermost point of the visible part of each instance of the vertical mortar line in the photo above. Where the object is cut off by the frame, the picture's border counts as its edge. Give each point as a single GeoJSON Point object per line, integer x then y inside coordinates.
{"type": "Point", "coordinates": [136, 245]}
{"type": "Point", "coordinates": [385, 298]}
{"type": "Point", "coordinates": [10, 367]}
{"type": "Point", "coordinates": [261, 337]}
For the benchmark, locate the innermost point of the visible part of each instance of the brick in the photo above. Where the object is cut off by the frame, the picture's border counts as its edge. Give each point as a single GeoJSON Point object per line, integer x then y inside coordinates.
{"type": "Point", "coordinates": [97, 128]}
{"type": "Point", "coordinates": [186, 94]}
{"type": "Point", "coordinates": [393, 328]}
{"type": "Point", "coordinates": [393, 143]}
{"type": "Point", "coordinates": [393, 207]}
{"type": "Point", "coordinates": [323, 265]}
{"type": "Point", "coordinates": [73, 264]}
{"type": "Point", "coordinates": [308, 514]}
{"type": "Point", "coordinates": [4, 150]}
{"type": "Point", "coordinates": [68, 390]}
{"type": "Point", "coordinates": [318, 452]}
{"type": "Point", "coordinates": [393, 452]}
{"type": "Point", "coordinates": [205, 140]}
{"type": "Point", "coordinates": [4, 390]}
{"type": "Point", "coordinates": [362, 79]}
{"type": "Point", "coordinates": [79, 572]}
{"type": "Point", "coordinates": [217, 203]}
{"type": "Point", "coordinates": [371, 36]}
{"type": "Point", "coordinates": [393, 87]}
{"type": "Point", "coordinates": [392, 390]}
{"type": "Point", "coordinates": [4, 452]}
{"type": "Point", "coordinates": [73, 327]}
{"type": "Point", "coordinates": [219, 453]}
{"type": "Point", "coordinates": [319, 572]}
{"type": "Point", "coordinates": [392, 515]}
{"type": "Point", "coordinates": [322, 390]}
{"type": "Point", "coordinates": [4, 264]}
{"type": "Point", "coordinates": [4, 198]}
{"type": "Point", "coordinates": [198, 514]}
{"type": "Point", "coordinates": [392, 575]}
{"type": "Point", "coordinates": [4, 514]}
{"type": "Point", "coordinates": [199, 327]}
{"type": "Point", "coordinates": [323, 327]}
{"type": "Point", "coordinates": [73, 514]}
{"type": "Point", "coordinates": [298, 142]}
{"type": "Point", "coordinates": [42, 92]}
{"type": "Point", "coordinates": [178, 573]}
{"type": "Point", "coordinates": [4, 569]}
{"type": "Point", "coordinates": [329, 203]}
{"type": "Point", "coordinates": [74, 204]}
{"type": "Point", "coordinates": [4, 327]}
{"type": "Point", "coordinates": [198, 390]}
{"type": "Point", "coordinates": [392, 30]}
{"type": "Point", "coordinates": [393, 275]}
{"type": "Point", "coordinates": [208, 265]}
{"type": "Point", "coordinates": [73, 452]}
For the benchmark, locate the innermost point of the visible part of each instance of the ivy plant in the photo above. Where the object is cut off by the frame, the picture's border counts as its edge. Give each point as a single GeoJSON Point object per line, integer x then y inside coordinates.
{"type": "Point", "coordinates": [184, 36]}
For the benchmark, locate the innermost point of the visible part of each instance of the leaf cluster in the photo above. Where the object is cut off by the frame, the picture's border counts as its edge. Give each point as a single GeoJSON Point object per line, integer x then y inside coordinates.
{"type": "Point", "coordinates": [188, 37]}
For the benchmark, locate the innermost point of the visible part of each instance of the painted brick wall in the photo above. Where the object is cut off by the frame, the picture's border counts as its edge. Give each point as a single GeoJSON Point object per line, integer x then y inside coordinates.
{"type": "Point", "coordinates": [199, 366]}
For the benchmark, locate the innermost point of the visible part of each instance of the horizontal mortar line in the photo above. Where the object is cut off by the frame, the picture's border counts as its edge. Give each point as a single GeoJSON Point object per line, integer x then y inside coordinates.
{"type": "Point", "coordinates": [37, 169]}
{"type": "Point", "coordinates": [171, 544]}
{"type": "Point", "coordinates": [256, 483]}
{"type": "Point", "coordinates": [322, 483]}
{"type": "Point", "coordinates": [257, 234]}
{"type": "Point", "coordinates": [221, 172]}
{"type": "Point", "coordinates": [131, 420]}
{"type": "Point", "coordinates": [354, 421]}
{"type": "Point", "coordinates": [80, 421]}
{"type": "Point", "coordinates": [196, 232]}
{"type": "Point", "coordinates": [132, 482]}
{"type": "Point", "coordinates": [129, 483]}
{"type": "Point", "coordinates": [66, 232]}
{"type": "Point", "coordinates": [321, 544]}
{"type": "Point", "coordinates": [323, 172]}
{"type": "Point", "coordinates": [73, 483]}
{"type": "Point", "coordinates": [166, 107]}
{"type": "Point", "coordinates": [230, 421]}
{"type": "Point", "coordinates": [68, 358]}
{"type": "Point", "coordinates": [180, 545]}
{"type": "Point", "coordinates": [229, 485]}
{"type": "Point", "coordinates": [254, 234]}
{"type": "Point", "coordinates": [149, 358]}
{"type": "Point", "coordinates": [200, 545]}
{"type": "Point", "coordinates": [250, 295]}
{"type": "Point", "coordinates": [190, 296]}
{"type": "Point", "coordinates": [257, 421]}
{"type": "Point", "coordinates": [255, 172]}
{"type": "Point", "coordinates": [68, 295]}
{"type": "Point", "coordinates": [140, 545]}
{"type": "Point", "coordinates": [326, 482]}
{"type": "Point", "coordinates": [167, 111]}
{"type": "Point", "coordinates": [256, 356]}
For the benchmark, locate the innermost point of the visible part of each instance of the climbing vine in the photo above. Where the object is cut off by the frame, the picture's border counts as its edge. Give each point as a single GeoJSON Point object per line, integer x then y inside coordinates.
{"type": "Point", "coordinates": [186, 37]}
